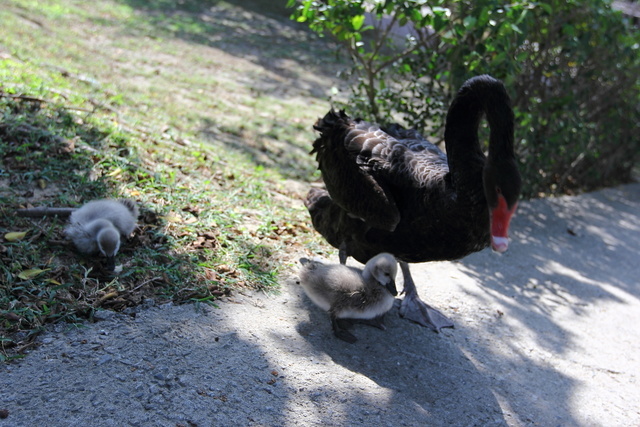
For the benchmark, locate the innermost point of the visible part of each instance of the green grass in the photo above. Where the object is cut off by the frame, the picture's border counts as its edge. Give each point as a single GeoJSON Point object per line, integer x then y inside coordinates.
{"type": "Point", "coordinates": [205, 122]}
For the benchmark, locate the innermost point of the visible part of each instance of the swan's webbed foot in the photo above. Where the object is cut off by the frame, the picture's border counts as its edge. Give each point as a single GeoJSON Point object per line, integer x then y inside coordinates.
{"type": "Point", "coordinates": [416, 310]}
{"type": "Point", "coordinates": [339, 327]}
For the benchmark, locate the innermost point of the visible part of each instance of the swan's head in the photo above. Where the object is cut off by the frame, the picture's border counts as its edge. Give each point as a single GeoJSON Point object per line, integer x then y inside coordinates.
{"type": "Point", "coordinates": [109, 243]}
{"type": "Point", "coordinates": [383, 267]}
{"type": "Point", "coordinates": [502, 189]}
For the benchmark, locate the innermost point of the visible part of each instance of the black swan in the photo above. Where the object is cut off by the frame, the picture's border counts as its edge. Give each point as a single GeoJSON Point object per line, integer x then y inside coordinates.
{"type": "Point", "coordinates": [349, 293]}
{"type": "Point", "coordinates": [96, 228]}
{"type": "Point", "coordinates": [390, 190]}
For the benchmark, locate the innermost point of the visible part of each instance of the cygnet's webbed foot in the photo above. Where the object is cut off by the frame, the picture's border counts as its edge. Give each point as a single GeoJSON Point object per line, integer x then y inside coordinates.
{"type": "Point", "coordinates": [340, 330]}
{"type": "Point", "coordinates": [413, 308]}
{"type": "Point", "coordinates": [376, 322]}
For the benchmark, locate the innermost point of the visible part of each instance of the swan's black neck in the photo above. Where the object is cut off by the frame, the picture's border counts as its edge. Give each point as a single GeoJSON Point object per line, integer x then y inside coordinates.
{"type": "Point", "coordinates": [482, 95]}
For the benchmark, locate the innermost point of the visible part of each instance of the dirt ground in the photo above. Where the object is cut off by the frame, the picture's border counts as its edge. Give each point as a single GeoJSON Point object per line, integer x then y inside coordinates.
{"type": "Point", "coordinates": [546, 334]}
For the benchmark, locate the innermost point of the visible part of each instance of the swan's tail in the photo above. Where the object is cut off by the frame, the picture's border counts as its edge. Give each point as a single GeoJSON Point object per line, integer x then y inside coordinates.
{"type": "Point", "coordinates": [325, 215]}
{"type": "Point", "coordinates": [330, 124]}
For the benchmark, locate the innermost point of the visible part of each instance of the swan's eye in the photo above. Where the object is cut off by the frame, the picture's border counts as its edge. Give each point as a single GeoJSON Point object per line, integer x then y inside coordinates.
{"type": "Point", "coordinates": [498, 190]}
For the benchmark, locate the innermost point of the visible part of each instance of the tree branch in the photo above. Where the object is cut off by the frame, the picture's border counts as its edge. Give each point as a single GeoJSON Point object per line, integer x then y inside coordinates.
{"type": "Point", "coordinates": [44, 211]}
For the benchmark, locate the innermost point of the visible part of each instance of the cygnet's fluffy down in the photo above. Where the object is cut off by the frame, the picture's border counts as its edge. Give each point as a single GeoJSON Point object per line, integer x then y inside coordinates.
{"type": "Point", "coordinates": [98, 226]}
{"type": "Point", "coordinates": [349, 293]}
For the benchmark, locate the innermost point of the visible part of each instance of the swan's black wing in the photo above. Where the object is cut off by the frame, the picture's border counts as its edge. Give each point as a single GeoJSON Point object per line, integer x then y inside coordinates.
{"type": "Point", "coordinates": [371, 172]}
{"type": "Point", "coordinates": [377, 180]}
{"type": "Point", "coordinates": [348, 154]}
{"type": "Point", "coordinates": [411, 162]}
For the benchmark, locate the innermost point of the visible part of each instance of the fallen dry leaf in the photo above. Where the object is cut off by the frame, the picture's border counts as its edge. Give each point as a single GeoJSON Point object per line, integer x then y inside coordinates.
{"type": "Point", "coordinates": [31, 273]}
{"type": "Point", "coordinates": [11, 316]}
{"type": "Point", "coordinates": [172, 218]}
{"type": "Point", "coordinates": [115, 172]}
{"type": "Point", "coordinates": [14, 236]}
{"type": "Point", "coordinates": [224, 268]}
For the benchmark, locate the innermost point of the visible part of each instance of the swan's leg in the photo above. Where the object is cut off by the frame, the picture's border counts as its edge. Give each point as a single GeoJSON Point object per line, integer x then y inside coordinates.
{"type": "Point", "coordinates": [340, 330]}
{"type": "Point", "coordinates": [413, 308]}
{"type": "Point", "coordinates": [342, 253]}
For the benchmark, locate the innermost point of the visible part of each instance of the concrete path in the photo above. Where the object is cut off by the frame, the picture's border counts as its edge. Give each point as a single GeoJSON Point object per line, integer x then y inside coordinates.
{"type": "Point", "coordinates": [547, 334]}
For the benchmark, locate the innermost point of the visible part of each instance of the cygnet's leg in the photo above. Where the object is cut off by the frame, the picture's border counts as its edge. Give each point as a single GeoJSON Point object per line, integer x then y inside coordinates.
{"type": "Point", "coordinates": [376, 322]}
{"type": "Point", "coordinates": [340, 329]}
{"type": "Point", "coordinates": [413, 308]}
{"type": "Point", "coordinates": [110, 264]}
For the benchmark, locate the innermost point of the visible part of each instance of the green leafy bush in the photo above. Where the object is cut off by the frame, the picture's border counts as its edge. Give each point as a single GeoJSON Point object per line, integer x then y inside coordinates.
{"type": "Point", "coordinates": [572, 68]}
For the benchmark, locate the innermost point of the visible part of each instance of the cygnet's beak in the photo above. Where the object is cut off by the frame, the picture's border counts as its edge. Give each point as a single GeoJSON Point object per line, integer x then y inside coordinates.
{"type": "Point", "coordinates": [391, 287]}
{"type": "Point", "coordinates": [111, 263]}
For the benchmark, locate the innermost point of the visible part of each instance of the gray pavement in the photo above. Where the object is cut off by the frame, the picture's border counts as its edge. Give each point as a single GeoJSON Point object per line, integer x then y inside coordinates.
{"type": "Point", "coordinates": [547, 334]}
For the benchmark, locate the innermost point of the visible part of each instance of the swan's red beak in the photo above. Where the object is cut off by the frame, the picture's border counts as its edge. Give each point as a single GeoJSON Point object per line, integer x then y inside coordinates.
{"type": "Point", "coordinates": [500, 218]}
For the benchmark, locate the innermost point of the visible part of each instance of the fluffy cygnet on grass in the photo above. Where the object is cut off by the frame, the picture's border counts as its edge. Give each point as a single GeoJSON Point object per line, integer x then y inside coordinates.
{"type": "Point", "coordinates": [98, 227]}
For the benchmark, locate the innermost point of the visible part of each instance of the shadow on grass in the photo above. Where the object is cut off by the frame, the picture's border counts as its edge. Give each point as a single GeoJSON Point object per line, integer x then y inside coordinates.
{"type": "Point", "coordinates": [292, 161]}
{"type": "Point", "coordinates": [257, 30]}
{"type": "Point", "coordinates": [261, 32]}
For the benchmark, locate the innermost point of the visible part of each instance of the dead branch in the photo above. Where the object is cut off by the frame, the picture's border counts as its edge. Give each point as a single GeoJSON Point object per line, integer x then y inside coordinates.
{"type": "Point", "coordinates": [22, 97]}
{"type": "Point", "coordinates": [42, 212]}
{"type": "Point", "coordinates": [42, 101]}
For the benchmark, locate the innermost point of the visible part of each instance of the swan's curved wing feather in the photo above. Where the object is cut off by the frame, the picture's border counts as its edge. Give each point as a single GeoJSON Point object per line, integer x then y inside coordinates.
{"type": "Point", "coordinates": [345, 153]}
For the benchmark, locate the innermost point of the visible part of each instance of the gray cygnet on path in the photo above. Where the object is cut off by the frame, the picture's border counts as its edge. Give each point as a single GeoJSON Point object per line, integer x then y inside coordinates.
{"type": "Point", "coordinates": [349, 293]}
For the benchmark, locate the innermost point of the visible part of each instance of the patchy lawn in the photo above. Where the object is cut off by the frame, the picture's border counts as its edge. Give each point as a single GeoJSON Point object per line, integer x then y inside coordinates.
{"type": "Point", "coordinates": [200, 112]}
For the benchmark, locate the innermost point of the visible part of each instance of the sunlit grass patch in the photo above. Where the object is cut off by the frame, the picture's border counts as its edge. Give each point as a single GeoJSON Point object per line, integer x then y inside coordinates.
{"type": "Point", "coordinates": [100, 100]}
